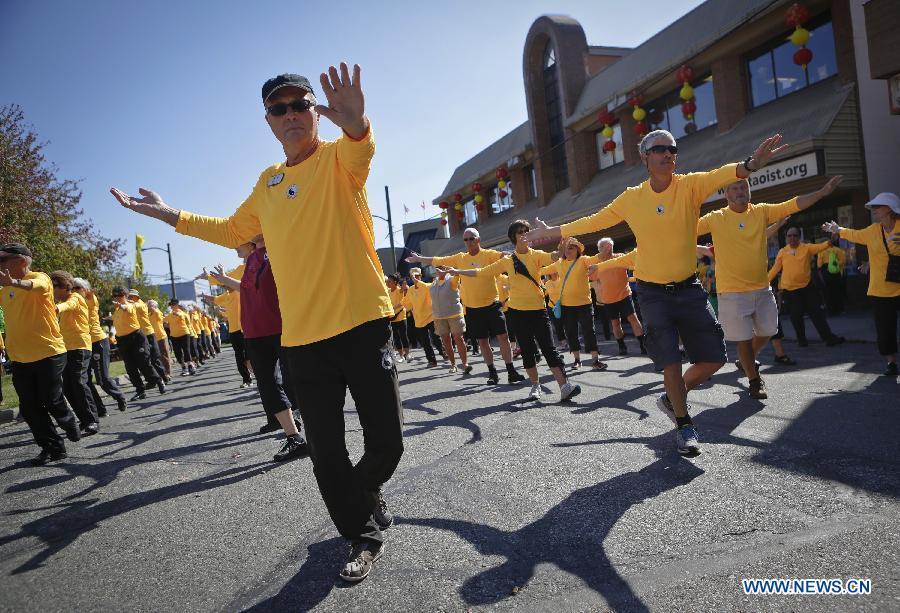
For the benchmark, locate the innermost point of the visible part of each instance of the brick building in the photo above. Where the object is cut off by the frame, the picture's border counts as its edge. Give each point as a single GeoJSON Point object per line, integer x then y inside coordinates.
{"type": "Point", "coordinates": [746, 86]}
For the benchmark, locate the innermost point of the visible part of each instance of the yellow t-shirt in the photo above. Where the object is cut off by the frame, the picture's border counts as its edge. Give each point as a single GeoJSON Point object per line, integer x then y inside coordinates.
{"type": "Point", "coordinates": [664, 224]}
{"type": "Point", "coordinates": [75, 322]}
{"type": "Point", "coordinates": [32, 329]}
{"type": "Point", "coordinates": [156, 320]}
{"type": "Point", "coordinates": [397, 304]}
{"type": "Point", "coordinates": [321, 201]}
{"type": "Point", "coordinates": [97, 333]}
{"type": "Point", "coordinates": [231, 302]}
{"type": "Point", "coordinates": [474, 292]}
{"type": "Point", "coordinates": [503, 292]}
{"type": "Point", "coordinates": [577, 290]}
{"type": "Point", "coordinates": [419, 297]}
{"type": "Point", "coordinates": [551, 288]}
{"type": "Point", "coordinates": [740, 244]}
{"type": "Point", "coordinates": [125, 319]}
{"type": "Point", "coordinates": [839, 254]}
{"type": "Point", "coordinates": [794, 265]}
{"type": "Point", "coordinates": [524, 295]}
{"type": "Point", "coordinates": [179, 324]}
{"type": "Point", "coordinates": [143, 315]}
{"type": "Point", "coordinates": [196, 327]}
{"type": "Point", "coordinates": [871, 237]}
{"type": "Point", "coordinates": [626, 261]}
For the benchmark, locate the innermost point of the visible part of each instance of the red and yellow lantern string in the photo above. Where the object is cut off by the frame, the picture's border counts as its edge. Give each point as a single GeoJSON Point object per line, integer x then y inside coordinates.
{"type": "Point", "coordinates": [607, 119]}
{"type": "Point", "coordinates": [444, 206]}
{"type": "Point", "coordinates": [685, 74]}
{"type": "Point", "coordinates": [501, 175]}
{"type": "Point", "coordinates": [638, 114]}
{"type": "Point", "coordinates": [796, 16]}
{"type": "Point", "coordinates": [479, 199]}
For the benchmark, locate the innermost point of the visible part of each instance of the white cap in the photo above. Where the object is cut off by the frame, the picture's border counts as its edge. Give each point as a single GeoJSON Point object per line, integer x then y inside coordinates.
{"type": "Point", "coordinates": [885, 199]}
{"type": "Point", "coordinates": [79, 282]}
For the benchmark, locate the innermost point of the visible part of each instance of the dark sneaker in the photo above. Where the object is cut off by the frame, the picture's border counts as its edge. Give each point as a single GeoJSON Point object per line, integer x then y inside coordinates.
{"type": "Point", "coordinates": [784, 359]}
{"type": "Point", "coordinates": [161, 387]}
{"type": "Point", "coordinates": [73, 433]}
{"type": "Point", "coordinates": [537, 358]}
{"type": "Point", "coordinates": [122, 405]}
{"type": "Point", "coordinates": [598, 365]}
{"type": "Point", "coordinates": [192, 371]}
{"type": "Point", "coordinates": [363, 555]}
{"type": "Point", "coordinates": [493, 376]}
{"type": "Point", "coordinates": [665, 405]}
{"type": "Point", "coordinates": [91, 428]}
{"type": "Point", "coordinates": [623, 350]}
{"type": "Point", "coordinates": [432, 364]}
{"type": "Point", "coordinates": [49, 456]}
{"type": "Point", "coordinates": [576, 364]}
{"type": "Point", "coordinates": [686, 441]}
{"type": "Point", "coordinates": [835, 340]}
{"type": "Point", "coordinates": [101, 413]}
{"type": "Point", "coordinates": [891, 370]}
{"type": "Point", "coordinates": [141, 395]}
{"type": "Point", "coordinates": [515, 377]}
{"type": "Point", "coordinates": [292, 449]}
{"type": "Point", "coordinates": [383, 516]}
{"type": "Point", "coordinates": [758, 389]}
{"type": "Point", "coordinates": [740, 366]}
{"type": "Point", "coordinates": [467, 369]}
{"type": "Point", "coordinates": [266, 428]}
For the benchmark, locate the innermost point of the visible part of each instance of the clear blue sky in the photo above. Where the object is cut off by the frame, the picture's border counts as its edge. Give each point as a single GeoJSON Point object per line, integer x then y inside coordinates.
{"type": "Point", "coordinates": [165, 94]}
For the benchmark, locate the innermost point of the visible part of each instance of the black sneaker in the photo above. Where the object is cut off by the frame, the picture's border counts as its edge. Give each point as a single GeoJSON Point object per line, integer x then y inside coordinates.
{"type": "Point", "coordinates": [91, 428]}
{"type": "Point", "coordinates": [835, 340]}
{"type": "Point", "coordinates": [383, 516]}
{"type": "Point", "coordinates": [73, 433]}
{"type": "Point", "coordinates": [293, 448]}
{"type": "Point", "coordinates": [758, 389]}
{"type": "Point", "coordinates": [537, 358]}
{"type": "Point", "coordinates": [891, 370]}
{"type": "Point", "coordinates": [467, 370]}
{"type": "Point", "coordinates": [161, 386]}
{"type": "Point", "coordinates": [122, 405]}
{"type": "Point", "coordinates": [141, 395]}
{"type": "Point", "coordinates": [101, 413]}
{"type": "Point", "coordinates": [49, 456]}
{"type": "Point", "coordinates": [515, 377]}
{"type": "Point", "coordinates": [266, 428]}
{"type": "Point", "coordinates": [784, 359]}
{"type": "Point", "coordinates": [493, 376]}
{"type": "Point", "coordinates": [598, 365]}
{"type": "Point", "coordinates": [363, 555]}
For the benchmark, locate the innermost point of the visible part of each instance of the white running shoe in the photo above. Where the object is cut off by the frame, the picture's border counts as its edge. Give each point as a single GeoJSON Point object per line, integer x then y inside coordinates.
{"type": "Point", "coordinates": [535, 393]}
{"type": "Point", "coordinates": [453, 369]}
{"type": "Point", "coordinates": [664, 405]}
{"type": "Point", "coordinates": [568, 391]}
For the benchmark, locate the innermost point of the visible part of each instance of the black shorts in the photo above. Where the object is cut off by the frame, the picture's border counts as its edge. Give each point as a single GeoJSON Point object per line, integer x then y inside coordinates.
{"type": "Point", "coordinates": [484, 322]}
{"type": "Point", "coordinates": [619, 310]}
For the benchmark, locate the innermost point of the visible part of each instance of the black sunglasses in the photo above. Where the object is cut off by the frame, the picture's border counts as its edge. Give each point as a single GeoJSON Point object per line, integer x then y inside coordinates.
{"type": "Point", "coordinates": [470, 238]}
{"type": "Point", "coordinates": [789, 235]}
{"type": "Point", "coordinates": [298, 106]}
{"type": "Point", "coordinates": [663, 148]}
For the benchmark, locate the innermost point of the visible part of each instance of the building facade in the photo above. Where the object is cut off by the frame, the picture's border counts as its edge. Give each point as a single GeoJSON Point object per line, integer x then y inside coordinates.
{"type": "Point", "coordinates": [747, 80]}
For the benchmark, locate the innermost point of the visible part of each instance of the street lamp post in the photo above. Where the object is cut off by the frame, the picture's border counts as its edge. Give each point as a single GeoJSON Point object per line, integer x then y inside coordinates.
{"type": "Point", "coordinates": [387, 198]}
{"type": "Point", "coordinates": [168, 250]}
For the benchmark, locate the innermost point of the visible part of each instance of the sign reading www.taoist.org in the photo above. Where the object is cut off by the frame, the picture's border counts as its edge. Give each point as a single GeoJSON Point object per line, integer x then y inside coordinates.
{"type": "Point", "coordinates": [785, 171]}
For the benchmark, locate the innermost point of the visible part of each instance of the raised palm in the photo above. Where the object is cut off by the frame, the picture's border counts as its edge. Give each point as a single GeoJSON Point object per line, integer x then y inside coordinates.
{"type": "Point", "coordinates": [346, 103]}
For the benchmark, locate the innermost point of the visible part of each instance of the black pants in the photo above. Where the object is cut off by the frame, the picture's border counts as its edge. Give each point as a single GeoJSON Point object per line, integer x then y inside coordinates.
{"type": "Point", "coordinates": [532, 330]}
{"type": "Point", "coordinates": [214, 337]}
{"type": "Point", "coordinates": [423, 335]}
{"type": "Point", "coordinates": [411, 330]}
{"type": "Point", "coordinates": [181, 346]}
{"type": "Point", "coordinates": [886, 311]}
{"type": "Point", "coordinates": [196, 350]}
{"type": "Point", "coordinates": [237, 343]}
{"type": "Point", "coordinates": [401, 338]}
{"type": "Point", "coordinates": [264, 353]}
{"type": "Point", "coordinates": [99, 372]}
{"type": "Point", "coordinates": [806, 300]}
{"type": "Point", "coordinates": [834, 292]}
{"type": "Point", "coordinates": [136, 355]}
{"type": "Point", "coordinates": [155, 357]}
{"type": "Point", "coordinates": [600, 316]}
{"type": "Point", "coordinates": [75, 386]}
{"type": "Point", "coordinates": [206, 344]}
{"type": "Point", "coordinates": [575, 316]}
{"type": "Point", "coordinates": [320, 374]}
{"type": "Point", "coordinates": [40, 389]}
{"type": "Point", "coordinates": [557, 326]}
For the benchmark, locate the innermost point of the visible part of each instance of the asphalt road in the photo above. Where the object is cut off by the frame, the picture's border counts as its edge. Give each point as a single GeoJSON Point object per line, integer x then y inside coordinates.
{"type": "Point", "coordinates": [499, 503]}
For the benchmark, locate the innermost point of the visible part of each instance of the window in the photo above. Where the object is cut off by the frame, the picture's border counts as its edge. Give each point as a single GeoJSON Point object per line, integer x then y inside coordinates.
{"type": "Point", "coordinates": [665, 113]}
{"type": "Point", "coordinates": [774, 74]}
{"type": "Point", "coordinates": [615, 156]}
{"type": "Point", "coordinates": [498, 204]}
{"type": "Point", "coordinates": [554, 120]}
{"type": "Point", "coordinates": [471, 214]}
{"type": "Point", "coordinates": [531, 179]}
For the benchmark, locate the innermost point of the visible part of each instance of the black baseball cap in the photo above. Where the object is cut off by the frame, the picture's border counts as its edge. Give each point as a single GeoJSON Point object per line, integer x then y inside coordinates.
{"type": "Point", "coordinates": [285, 80]}
{"type": "Point", "coordinates": [118, 291]}
{"type": "Point", "coordinates": [16, 249]}
{"type": "Point", "coordinates": [173, 302]}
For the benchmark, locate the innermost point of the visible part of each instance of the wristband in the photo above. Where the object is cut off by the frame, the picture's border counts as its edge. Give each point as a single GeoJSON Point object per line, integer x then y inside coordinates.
{"type": "Point", "coordinates": [747, 164]}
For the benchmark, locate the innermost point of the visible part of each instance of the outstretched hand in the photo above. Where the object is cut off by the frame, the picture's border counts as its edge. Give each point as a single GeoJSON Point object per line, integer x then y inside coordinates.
{"type": "Point", "coordinates": [415, 258]}
{"type": "Point", "coordinates": [150, 204]}
{"type": "Point", "coordinates": [5, 277]}
{"type": "Point", "coordinates": [346, 104]}
{"type": "Point", "coordinates": [831, 227]}
{"type": "Point", "coordinates": [767, 149]}
{"type": "Point", "coordinates": [832, 184]}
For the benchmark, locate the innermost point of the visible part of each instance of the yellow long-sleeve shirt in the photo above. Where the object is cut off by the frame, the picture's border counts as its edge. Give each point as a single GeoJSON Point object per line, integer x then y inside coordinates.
{"type": "Point", "coordinates": [871, 237]}
{"type": "Point", "coordinates": [143, 315]}
{"type": "Point", "coordinates": [793, 264]}
{"type": "Point", "coordinates": [75, 322]}
{"type": "Point", "coordinates": [740, 242]}
{"type": "Point", "coordinates": [179, 324]}
{"type": "Point", "coordinates": [32, 328]}
{"type": "Point", "coordinates": [664, 224]}
{"type": "Point", "coordinates": [320, 201]}
{"type": "Point", "coordinates": [474, 292]}
{"type": "Point", "coordinates": [397, 303]}
{"type": "Point", "coordinates": [156, 320]}
{"type": "Point", "coordinates": [231, 302]}
{"type": "Point", "coordinates": [419, 302]}
{"type": "Point", "coordinates": [125, 319]}
{"type": "Point", "coordinates": [524, 294]}
{"type": "Point", "coordinates": [577, 290]}
{"type": "Point", "coordinates": [97, 333]}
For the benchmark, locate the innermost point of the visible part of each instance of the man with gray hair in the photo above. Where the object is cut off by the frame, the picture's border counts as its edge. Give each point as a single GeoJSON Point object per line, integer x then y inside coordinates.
{"type": "Point", "coordinates": [484, 317]}
{"type": "Point", "coordinates": [662, 212]}
{"type": "Point", "coordinates": [615, 295]}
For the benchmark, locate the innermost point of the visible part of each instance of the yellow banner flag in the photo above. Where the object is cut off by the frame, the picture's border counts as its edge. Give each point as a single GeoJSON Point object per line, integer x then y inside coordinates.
{"type": "Point", "coordinates": [138, 258]}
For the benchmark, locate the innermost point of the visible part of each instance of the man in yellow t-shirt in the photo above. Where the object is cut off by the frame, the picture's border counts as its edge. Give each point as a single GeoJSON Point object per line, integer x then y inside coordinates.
{"type": "Point", "coordinates": [162, 339]}
{"type": "Point", "coordinates": [831, 264]}
{"type": "Point", "coordinates": [133, 346]}
{"type": "Point", "coordinates": [417, 299]}
{"type": "Point", "coordinates": [662, 212]}
{"type": "Point", "coordinates": [800, 297]}
{"type": "Point", "coordinates": [180, 334]}
{"type": "Point", "coordinates": [398, 320]}
{"type": "Point", "coordinates": [143, 315]}
{"type": "Point", "coordinates": [480, 297]}
{"type": "Point", "coordinates": [318, 196]}
{"type": "Point", "coordinates": [747, 309]}
{"type": "Point", "coordinates": [36, 350]}
{"type": "Point", "coordinates": [75, 325]}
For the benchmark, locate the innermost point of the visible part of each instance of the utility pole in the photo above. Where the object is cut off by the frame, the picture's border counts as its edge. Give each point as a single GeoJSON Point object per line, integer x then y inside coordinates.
{"type": "Point", "coordinates": [168, 250]}
{"type": "Point", "coordinates": [387, 198]}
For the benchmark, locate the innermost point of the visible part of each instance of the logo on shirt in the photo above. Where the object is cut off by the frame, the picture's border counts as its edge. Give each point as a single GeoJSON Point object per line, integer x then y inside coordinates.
{"type": "Point", "coordinates": [741, 226]}
{"type": "Point", "coordinates": [275, 179]}
{"type": "Point", "coordinates": [292, 191]}
{"type": "Point", "coordinates": [660, 210]}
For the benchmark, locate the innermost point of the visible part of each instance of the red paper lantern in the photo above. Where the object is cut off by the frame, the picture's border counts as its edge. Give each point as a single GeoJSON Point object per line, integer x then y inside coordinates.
{"type": "Point", "coordinates": [685, 74]}
{"type": "Point", "coordinates": [443, 222]}
{"type": "Point", "coordinates": [640, 128]}
{"type": "Point", "coordinates": [797, 15]}
{"type": "Point", "coordinates": [460, 214]}
{"type": "Point", "coordinates": [689, 108]}
{"type": "Point", "coordinates": [476, 187]}
{"type": "Point", "coordinates": [606, 117]}
{"type": "Point", "coordinates": [457, 197]}
{"type": "Point", "coordinates": [503, 193]}
{"type": "Point", "coordinates": [444, 204]}
{"type": "Point", "coordinates": [690, 127]}
{"type": "Point", "coordinates": [479, 207]}
{"type": "Point", "coordinates": [635, 99]}
{"type": "Point", "coordinates": [609, 146]}
{"type": "Point", "coordinates": [501, 173]}
{"type": "Point", "coordinates": [802, 57]}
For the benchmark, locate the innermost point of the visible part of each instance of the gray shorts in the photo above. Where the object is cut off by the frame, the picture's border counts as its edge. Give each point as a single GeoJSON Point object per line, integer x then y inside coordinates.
{"type": "Point", "coordinates": [668, 314]}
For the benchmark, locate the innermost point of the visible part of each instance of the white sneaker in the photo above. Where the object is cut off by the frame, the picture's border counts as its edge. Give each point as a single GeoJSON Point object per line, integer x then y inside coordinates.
{"type": "Point", "coordinates": [399, 359]}
{"type": "Point", "coordinates": [535, 393]}
{"type": "Point", "coordinates": [453, 369]}
{"type": "Point", "coordinates": [568, 391]}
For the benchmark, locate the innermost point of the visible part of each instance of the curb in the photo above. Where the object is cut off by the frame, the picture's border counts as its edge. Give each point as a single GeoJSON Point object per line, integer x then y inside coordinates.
{"type": "Point", "coordinates": [9, 415]}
